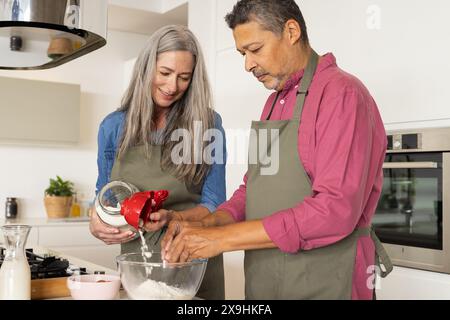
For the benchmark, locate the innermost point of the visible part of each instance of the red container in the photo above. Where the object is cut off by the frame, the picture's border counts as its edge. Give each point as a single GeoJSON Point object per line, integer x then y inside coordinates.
{"type": "Point", "coordinates": [137, 208]}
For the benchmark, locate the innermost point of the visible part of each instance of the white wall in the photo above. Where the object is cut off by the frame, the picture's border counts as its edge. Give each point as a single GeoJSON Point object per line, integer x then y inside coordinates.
{"type": "Point", "coordinates": [25, 170]}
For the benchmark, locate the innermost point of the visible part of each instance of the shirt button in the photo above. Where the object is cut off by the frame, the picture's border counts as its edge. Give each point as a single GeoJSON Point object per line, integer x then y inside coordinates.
{"type": "Point", "coordinates": [282, 101]}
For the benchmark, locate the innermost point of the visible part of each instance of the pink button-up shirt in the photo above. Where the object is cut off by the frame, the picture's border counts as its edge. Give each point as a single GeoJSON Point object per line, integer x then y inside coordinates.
{"type": "Point", "coordinates": [342, 144]}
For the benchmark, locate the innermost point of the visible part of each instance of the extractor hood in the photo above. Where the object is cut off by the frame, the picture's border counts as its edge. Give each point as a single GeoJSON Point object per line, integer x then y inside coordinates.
{"type": "Point", "coordinates": [42, 34]}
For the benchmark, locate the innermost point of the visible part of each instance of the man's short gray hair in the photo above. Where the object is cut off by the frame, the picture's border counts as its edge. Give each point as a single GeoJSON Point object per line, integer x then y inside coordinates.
{"type": "Point", "coordinates": [272, 15]}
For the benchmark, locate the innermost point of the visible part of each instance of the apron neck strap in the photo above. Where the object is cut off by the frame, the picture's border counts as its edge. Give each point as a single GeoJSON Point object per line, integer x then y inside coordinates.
{"type": "Point", "coordinates": [303, 88]}
{"type": "Point", "coordinates": [273, 105]}
{"type": "Point", "coordinates": [305, 83]}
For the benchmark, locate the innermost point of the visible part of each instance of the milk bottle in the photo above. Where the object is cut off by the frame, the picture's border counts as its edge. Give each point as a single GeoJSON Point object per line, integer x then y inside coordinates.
{"type": "Point", "coordinates": [15, 275]}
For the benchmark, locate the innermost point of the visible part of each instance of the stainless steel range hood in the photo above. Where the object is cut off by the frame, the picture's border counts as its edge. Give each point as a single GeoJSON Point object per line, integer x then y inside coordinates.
{"type": "Point", "coordinates": [42, 34]}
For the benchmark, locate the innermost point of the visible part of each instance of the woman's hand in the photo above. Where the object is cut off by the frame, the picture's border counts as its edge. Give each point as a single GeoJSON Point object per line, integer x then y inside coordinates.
{"type": "Point", "coordinates": [108, 234]}
{"type": "Point", "coordinates": [160, 219]}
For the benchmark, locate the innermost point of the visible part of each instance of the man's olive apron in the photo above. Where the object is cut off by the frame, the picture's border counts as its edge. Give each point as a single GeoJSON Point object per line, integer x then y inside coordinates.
{"type": "Point", "coordinates": [323, 273]}
{"type": "Point", "coordinates": [146, 174]}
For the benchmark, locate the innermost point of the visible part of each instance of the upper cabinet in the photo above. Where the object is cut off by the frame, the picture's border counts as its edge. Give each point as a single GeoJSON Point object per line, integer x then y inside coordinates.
{"type": "Point", "coordinates": [39, 112]}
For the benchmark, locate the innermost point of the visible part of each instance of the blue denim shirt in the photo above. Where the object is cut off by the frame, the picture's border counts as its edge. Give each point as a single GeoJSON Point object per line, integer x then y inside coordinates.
{"type": "Point", "coordinates": [213, 191]}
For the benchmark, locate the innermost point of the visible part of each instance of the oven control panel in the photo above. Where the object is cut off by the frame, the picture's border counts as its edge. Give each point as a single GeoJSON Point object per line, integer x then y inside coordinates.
{"type": "Point", "coordinates": [410, 141]}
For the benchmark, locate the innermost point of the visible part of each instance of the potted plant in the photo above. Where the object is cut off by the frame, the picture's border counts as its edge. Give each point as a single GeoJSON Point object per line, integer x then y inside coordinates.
{"type": "Point", "coordinates": [58, 198]}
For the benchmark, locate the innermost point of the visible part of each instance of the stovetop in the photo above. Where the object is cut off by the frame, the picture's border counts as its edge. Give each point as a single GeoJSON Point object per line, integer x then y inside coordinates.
{"type": "Point", "coordinates": [47, 266]}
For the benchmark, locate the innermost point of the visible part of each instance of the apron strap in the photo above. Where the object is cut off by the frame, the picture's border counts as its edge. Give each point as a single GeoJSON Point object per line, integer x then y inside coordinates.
{"type": "Point", "coordinates": [273, 105]}
{"type": "Point", "coordinates": [304, 84]}
{"type": "Point", "coordinates": [382, 259]}
{"type": "Point", "coordinates": [303, 88]}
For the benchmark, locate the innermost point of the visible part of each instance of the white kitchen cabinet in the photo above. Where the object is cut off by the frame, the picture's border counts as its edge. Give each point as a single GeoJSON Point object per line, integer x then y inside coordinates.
{"type": "Point", "coordinates": [102, 255]}
{"type": "Point", "coordinates": [77, 241]}
{"type": "Point", "coordinates": [407, 80]}
{"type": "Point", "coordinates": [413, 284]}
{"type": "Point", "coordinates": [67, 236]}
{"type": "Point", "coordinates": [39, 111]}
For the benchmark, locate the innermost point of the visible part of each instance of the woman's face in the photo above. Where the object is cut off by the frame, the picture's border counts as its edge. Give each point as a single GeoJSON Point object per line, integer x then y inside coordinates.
{"type": "Point", "coordinates": [172, 77]}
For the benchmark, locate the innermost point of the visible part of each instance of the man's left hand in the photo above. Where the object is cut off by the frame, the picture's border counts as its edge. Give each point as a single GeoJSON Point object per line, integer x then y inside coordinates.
{"type": "Point", "coordinates": [194, 242]}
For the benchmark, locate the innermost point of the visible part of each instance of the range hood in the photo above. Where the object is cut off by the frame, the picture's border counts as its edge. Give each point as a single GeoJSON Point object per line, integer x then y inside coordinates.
{"type": "Point", "coordinates": [42, 34]}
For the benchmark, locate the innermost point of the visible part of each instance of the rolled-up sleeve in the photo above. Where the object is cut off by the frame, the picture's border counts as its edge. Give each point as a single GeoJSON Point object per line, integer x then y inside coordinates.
{"type": "Point", "coordinates": [340, 165]}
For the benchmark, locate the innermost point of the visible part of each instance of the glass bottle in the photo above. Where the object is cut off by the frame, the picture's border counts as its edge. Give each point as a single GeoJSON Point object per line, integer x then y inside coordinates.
{"type": "Point", "coordinates": [11, 208]}
{"type": "Point", "coordinates": [108, 203]}
{"type": "Point", "coordinates": [15, 275]}
{"type": "Point", "coordinates": [75, 211]}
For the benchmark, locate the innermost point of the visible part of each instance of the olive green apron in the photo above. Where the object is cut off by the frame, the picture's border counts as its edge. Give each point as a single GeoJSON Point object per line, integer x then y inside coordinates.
{"type": "Point", "coordinates": [146, 174]}
{"type": "Point", "coordinates": [323, 273]}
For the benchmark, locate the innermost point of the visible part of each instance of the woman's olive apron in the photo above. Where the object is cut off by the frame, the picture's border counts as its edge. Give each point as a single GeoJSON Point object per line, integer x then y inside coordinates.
{"type": "Point", "coordinates": [323, 273]}
{"type": "Point", "coordinates": [146, 174]}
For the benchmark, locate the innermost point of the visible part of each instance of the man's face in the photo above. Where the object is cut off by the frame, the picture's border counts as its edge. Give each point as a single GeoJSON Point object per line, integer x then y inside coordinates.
{"type": "Point", "coordinates": [266, 54]}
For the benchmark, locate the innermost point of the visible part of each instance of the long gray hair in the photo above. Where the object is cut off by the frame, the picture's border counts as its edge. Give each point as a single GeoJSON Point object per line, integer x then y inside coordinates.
{"type": "Point", "coordinates": [194, 105]}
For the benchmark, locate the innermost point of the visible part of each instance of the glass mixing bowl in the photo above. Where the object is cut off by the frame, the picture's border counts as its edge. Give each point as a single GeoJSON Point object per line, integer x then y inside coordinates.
{"type": "Point", "coordinates": [158, 280]}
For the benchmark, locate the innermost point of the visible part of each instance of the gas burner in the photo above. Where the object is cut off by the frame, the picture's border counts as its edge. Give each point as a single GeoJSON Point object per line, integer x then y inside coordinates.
{"type": "Point", "coordinates": [47, 266]}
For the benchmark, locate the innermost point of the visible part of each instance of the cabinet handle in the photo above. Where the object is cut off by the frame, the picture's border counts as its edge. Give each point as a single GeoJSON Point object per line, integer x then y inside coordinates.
{"type": "Point", "coordinates": [410, 165]}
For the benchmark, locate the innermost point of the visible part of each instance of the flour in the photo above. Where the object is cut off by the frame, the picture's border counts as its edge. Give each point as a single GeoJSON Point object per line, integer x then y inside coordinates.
{"type": "Point", "coordinates": [146, 254]}
{"type": "Point", "coordinates": [155, 290]}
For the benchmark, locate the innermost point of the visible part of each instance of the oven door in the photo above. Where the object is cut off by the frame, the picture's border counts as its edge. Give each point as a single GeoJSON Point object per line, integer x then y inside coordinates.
{"type": "Point", "coordinates": [410, 214]}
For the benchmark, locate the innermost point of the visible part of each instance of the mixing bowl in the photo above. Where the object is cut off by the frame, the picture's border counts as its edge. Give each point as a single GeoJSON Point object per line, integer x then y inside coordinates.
{"type": "Point", "coordinates": [94, 286]}
{"type": "Point", "coordinates": [157, 280]}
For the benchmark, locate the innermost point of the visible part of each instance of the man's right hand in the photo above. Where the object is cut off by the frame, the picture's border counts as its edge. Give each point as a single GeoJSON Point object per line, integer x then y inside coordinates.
{"type": "Point", "coordinates": [108, 234]}
{"type": "Point", "coordinates": [174, 228]}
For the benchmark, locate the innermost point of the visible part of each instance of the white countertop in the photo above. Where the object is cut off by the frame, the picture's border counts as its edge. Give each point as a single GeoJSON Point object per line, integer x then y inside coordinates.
{"type": "Point", "coordinates": [46, 221]}
{"type": "Point", "coordinates": [90, 268]}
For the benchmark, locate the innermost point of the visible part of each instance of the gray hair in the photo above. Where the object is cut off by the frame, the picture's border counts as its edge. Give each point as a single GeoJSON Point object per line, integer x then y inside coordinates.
{"type": "Point", "coordinates": [194, 105]}
{"type": "Point", "coordinates": [272, 15]}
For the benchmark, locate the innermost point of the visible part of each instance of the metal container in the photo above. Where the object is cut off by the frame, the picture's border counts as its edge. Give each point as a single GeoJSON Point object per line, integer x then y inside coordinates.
{"type": "Point", "coordinates": [11, 208]}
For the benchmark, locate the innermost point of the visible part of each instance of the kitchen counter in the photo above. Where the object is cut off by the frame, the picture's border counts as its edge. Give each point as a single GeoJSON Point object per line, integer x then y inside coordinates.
{"type": "Point", "coordinates": [46, 221]}
{"type": "Point", "coordinates": [90, 267]}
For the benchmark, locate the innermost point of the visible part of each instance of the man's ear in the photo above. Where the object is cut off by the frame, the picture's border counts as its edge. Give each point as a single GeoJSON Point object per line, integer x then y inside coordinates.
{"type": "Point", "coordinates": [292, 31]}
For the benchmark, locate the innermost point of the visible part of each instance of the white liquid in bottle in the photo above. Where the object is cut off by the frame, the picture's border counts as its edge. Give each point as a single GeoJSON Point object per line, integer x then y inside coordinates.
{"type": "Point", "coordinates": [15, 275]}
{"type": "Point", "coordinates": [15, 280]}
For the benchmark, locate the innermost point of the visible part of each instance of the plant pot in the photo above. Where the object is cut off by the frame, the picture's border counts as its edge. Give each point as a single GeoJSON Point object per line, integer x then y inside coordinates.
{"type": "Point", "coordinates": [57, 207]}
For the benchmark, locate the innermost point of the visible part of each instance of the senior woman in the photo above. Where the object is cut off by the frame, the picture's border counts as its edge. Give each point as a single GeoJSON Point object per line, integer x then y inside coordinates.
{"type": "Point", "coordinates": [168, 97]}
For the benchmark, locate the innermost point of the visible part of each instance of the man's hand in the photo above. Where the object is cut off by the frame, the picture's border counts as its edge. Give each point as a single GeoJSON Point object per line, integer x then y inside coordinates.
{"type": "Point", "coordinates": [172, 231]}
{"type": "Point", "coordinates": [108, 234]}
{"type": "Point", "coordinates": [185, 241]}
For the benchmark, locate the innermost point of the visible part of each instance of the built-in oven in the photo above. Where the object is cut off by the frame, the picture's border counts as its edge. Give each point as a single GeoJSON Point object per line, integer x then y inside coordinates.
{"type": "Point", "coordinates": [412, 218]}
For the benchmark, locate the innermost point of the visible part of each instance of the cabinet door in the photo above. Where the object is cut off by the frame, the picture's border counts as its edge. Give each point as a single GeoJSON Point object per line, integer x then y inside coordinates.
{"type": "Point", "coordinates": [102, 255]}
{"type": "Point", "coordinates": [77, 241]}
{"type": "Point", "coordinates": [67, 236]}
{"type": "Point", "coordinates": [412, 284]}
{"type": "Point", "coordinates": [38, 111]}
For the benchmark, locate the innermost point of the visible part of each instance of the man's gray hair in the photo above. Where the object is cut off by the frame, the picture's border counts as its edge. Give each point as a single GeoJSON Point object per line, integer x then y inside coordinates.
{"type": "Point", "coordinates": [272, 15]}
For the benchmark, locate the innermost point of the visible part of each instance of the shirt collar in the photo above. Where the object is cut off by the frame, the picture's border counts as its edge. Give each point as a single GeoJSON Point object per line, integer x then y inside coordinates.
{"type": "Point", "coordinates": [327, 61]}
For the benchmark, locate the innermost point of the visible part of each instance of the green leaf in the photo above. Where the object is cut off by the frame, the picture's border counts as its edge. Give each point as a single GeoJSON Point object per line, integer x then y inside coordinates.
{"type": "Point", "coordinates": [60, 187]}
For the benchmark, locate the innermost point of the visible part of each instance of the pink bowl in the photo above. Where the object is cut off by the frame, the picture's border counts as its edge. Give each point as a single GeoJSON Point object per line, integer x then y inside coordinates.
{"type": "Point", "coordinates": [94, 286]}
